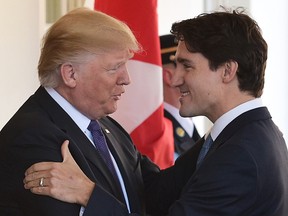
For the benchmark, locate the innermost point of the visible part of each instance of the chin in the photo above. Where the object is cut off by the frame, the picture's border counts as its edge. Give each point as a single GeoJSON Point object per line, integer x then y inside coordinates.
{"type": "Point", "coordinates": [112, 110]}
{"type": "Point", "coordinates": [185, 113]}
{"type": "Point", "coordinates": [182, 113]}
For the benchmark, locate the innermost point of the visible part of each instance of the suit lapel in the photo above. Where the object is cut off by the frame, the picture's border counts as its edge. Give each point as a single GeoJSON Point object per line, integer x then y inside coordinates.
{"type": "Point", "coordinates": [80, 146]}
{"type": "Point", "coordinates": [117, 152]}
{"type": "Point", "coordinates": [239, 122]}
{"type": "Point", "coordinates": [126, 157]}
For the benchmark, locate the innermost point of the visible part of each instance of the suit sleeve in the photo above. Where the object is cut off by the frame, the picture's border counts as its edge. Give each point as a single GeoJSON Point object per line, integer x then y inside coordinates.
{"type": "Point", "coordinates": [30, 145]}
{"type": "Point", "coordinates": [163, 188]}
{"type": "Point", "coordinates": [225, 185]}
{"type": "Point", "coordinates": [103, 203]}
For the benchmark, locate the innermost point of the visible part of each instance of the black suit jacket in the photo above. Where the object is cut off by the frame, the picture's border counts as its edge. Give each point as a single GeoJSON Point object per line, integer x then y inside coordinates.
{"type": "Point", "coordinates": [35, 133]}
{"type": "Point", "coordinates": [245, 172]}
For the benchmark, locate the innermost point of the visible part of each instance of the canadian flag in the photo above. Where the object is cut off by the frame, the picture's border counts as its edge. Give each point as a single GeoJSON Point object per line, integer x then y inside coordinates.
{"type": "Point", "coordinates": [140, 110]}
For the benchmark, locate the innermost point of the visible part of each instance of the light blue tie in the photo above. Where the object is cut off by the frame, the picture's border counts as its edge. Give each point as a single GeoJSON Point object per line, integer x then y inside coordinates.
{"type": "Point", "coordinates": [204, 150]}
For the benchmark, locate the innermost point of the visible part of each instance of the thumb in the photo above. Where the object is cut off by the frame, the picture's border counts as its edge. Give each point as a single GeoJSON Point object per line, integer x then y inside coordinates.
{"type": "Point", "coordinates": [65, 151]}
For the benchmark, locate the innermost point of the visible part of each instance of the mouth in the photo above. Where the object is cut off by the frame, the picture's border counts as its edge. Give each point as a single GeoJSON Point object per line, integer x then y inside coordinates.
{"type": "Point", "coordinates": [117, 97]}
{"type": "Point", "coordinates": [184, 93]}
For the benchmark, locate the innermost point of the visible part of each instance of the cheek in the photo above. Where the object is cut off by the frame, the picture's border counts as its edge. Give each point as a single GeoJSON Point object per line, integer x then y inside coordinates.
{"type": "Point", "coordinates": [194, 84]}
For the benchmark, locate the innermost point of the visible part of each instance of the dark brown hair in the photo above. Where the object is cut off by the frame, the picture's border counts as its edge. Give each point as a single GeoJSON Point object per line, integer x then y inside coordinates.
{"type": "Point", "coordinates": [226, 36]}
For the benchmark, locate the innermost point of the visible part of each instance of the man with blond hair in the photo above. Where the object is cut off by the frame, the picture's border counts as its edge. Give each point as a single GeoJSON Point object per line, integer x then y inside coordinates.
{"type": "Point", "coordinates": [83, 74]}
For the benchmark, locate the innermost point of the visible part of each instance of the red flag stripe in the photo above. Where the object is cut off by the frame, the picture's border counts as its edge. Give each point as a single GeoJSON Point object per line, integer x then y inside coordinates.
{"type": "Point", "coordinates": [141, 17]}
{"type": "Point", "coordinates": [140, 109]}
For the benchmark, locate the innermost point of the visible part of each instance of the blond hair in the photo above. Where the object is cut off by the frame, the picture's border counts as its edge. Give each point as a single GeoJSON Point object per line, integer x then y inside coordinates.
{"type": "Point", "coordinates": [77, 34]}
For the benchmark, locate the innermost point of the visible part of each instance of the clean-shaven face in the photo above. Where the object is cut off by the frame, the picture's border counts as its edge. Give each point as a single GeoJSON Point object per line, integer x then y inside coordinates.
{"type": "Point", "coordinates": [100, 83]}
{"type": "Point", "coordinates": [198, 84]}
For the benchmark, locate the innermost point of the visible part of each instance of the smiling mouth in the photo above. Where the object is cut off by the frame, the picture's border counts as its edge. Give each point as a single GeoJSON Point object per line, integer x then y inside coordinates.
{"type": "Point", "coordinates": [183, 94]}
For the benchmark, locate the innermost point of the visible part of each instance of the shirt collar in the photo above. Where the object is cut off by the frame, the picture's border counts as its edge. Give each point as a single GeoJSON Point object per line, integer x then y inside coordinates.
{"type": "Point", "coordinates": [229, 116]}
{"type": "Point", "coordinates": [81, 120]}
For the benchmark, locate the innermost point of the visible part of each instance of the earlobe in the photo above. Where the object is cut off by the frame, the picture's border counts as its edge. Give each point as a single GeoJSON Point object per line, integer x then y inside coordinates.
{"type": "Point", "coordinates": [68, 74]}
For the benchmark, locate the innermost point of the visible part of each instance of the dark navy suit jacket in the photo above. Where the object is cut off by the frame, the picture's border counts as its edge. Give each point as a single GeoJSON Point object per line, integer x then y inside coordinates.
{"type": "Point", "coordinates": [244, 174]}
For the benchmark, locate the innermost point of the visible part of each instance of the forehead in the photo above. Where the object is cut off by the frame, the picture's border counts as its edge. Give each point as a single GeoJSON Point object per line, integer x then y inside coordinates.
{"type": "Point", "coordinates": [181, 51]}
{"type": "Point", "coordinates": [183, 55]}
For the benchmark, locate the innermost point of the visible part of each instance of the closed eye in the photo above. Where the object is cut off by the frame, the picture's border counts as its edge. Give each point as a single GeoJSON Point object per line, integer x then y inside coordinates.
{"type": "Point", "coordinates": [115, 68]}
{"type": "Point", "coordinates": [186, 66]}
{"type": "Point", "coordinates": [185, 63]}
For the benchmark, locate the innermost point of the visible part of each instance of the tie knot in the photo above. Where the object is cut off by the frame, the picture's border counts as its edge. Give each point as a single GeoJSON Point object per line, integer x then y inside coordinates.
{"type": "Point", "coordinates": [94, 126]}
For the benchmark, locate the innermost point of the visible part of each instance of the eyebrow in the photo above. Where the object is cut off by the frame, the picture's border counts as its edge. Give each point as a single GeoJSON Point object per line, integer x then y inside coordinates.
{"type": "Point", "coordinates": [183, 60]}
{"type": "Point", "coordinates": [114, 66]}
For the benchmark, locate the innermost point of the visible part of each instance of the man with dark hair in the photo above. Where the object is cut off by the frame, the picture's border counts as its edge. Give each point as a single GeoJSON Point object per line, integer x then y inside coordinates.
{"type": "Point", "coordinates": [242, 167]}
{"type": "Point", "coordinates": [184, 131]}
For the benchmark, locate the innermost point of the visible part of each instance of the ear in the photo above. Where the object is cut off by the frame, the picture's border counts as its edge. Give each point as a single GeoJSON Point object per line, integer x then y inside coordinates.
{"type": "Point", "coordinates": [68, 74]}
{"type": "Point", "coordinates": [230, 70]}
{"type": "Point", "coordinates": [167, 76]}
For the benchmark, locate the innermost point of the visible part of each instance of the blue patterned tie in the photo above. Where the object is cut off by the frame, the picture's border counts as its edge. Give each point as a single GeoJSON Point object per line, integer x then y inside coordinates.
{"type": "Point", "coordinates": [101, 145]}
{"type": "Point", "coordinates": [204, 150]}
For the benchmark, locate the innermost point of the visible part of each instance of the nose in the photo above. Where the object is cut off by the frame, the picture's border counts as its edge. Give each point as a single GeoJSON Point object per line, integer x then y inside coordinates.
{"type": "Point", "coordinates": [177, 78]}
{"type": "Point", "coordinates": [124, 78]}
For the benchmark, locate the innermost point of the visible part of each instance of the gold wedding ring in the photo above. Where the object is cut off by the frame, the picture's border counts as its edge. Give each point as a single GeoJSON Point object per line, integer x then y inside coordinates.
{"type": "Point", "coordinates": [41, 182]}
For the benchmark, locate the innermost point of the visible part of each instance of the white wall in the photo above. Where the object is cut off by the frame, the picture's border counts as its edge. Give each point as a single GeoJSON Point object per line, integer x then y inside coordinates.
{"type": "Point", "coordinates": [272, 17]}
{"type": "Point", "coordinates": [170, 11]}
{"type": "Point", "coordinates": [19, 50]}
{"type": "Point", "coordinates": [21, 24]}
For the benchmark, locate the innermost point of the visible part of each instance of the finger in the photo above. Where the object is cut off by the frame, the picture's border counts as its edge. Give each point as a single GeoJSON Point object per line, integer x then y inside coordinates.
{"type": "Point", "coordinates": [49, 165]}
{"type": "Point", "coordinates": [67, 157]}
{"type": "Point", "coordinates": [40, 190]}
{"type": "Point", "coordinates": [40, 182]}
{"type": "Point", "coordinates": [37, 167]}
{"type": "Point", "coordinates": [65, 151]}
{"type": "Point", "coordinates": [36, 175]}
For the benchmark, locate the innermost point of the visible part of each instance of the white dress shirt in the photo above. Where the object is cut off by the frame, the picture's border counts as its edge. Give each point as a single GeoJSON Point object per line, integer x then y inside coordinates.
{"type": "Point", "coordinates": [229, 116]}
